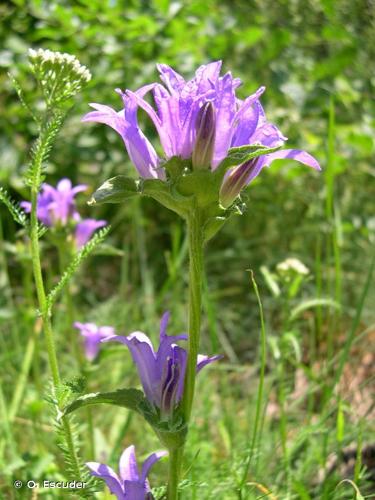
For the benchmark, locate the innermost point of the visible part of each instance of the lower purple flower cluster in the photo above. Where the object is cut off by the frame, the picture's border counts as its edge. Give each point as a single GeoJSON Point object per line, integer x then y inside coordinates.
{"type": "Point", "coordinates": [56, 208]}
{"type": "Point", "coordinates": [162, 375]}
{"type": "Point", "coordinates": [129, 484]}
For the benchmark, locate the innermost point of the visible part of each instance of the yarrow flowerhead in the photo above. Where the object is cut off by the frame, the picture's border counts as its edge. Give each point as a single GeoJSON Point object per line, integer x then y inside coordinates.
{"type": "Point", "coordinates": [162, 372]}
{"type": "Point", "coordinates": [129, 484]}
{"type": "Point", "coordinates": [292, 265]}
{"type": "Point", "coordinates": [61, 75]}
{"type": "Point", "coordinates": [56, 208]}
{"type": "Point", "coordinates": [199, 121]}
{"type": "Point", "coordinates": [93, 335]}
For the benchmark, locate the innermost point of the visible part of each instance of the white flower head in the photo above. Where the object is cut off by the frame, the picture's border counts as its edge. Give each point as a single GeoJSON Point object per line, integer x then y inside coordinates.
{"type": "Point", "coordinates": [292, 265]}
{"type": "Point", "coordinates": [61, 75]}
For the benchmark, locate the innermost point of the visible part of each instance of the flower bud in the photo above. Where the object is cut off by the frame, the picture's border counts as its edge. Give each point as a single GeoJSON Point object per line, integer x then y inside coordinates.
{"type": "Point", "coordinates": [205, 138]}
{"type": "Point", "coordinates": [235, 181]}
{"type": "Point", "coordinates": [60, 75]}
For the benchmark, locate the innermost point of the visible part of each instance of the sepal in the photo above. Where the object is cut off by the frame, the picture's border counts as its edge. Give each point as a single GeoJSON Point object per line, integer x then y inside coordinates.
{"type": "Point", "coordinates": [242, 154]}
{"type": "Point", "coordinates": [165, 193]}
{"type": "Point", "coordinates": [115, 190]}
{"type": "Point", "coordinates": [171, 431]}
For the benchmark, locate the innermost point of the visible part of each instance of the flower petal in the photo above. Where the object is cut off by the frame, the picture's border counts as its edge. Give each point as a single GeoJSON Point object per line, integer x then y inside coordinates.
{"type": "Point", "coordinates": [204, 360]}
{"type": "Point", "coordinates": [135, 490]}
{"type": "Point", "coordinates": [125, 123]}
{"type": "Point", "coordinates": [164, 323]}
{"type": "Point", "coordinates": [128, 465]}
{"type": "Point", "coordinates": [225, 104]}
{"type": "Point", "coordinates": [84, 230]}
{"type": "Point", "coordinates": [109, 476]}
{"type": "Point", "coordinates": [143, 356]}
{"type": "Point", "coordinates": [107, 115]}
{"type": "Point", "coordinates": [207, 75]}
{"type": "Point", "coordinates": [247, 119]}
{"type": "Point", "coordinates": [171, 78]}
{"type": "Point", "coordinates": [292, 154]}
{"type": "Point", "coordinates": [151, 460]}
{"type": "Point", "coordinates": [268, 135]}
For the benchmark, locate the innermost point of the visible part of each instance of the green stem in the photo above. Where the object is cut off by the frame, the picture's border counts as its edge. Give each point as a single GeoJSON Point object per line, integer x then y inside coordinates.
{"type": "Point", "coordinates": [174, 470]}
{"type": "Point", "coordinates": [195, 237]}
{"type": "Point", "coordinates": [47, 326]}
{"type": "Point", "coordinates": [41, 294]}
{"type": "Point", "coordinates": [9, 440]}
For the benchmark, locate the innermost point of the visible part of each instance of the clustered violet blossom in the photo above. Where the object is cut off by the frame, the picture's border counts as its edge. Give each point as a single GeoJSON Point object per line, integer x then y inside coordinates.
{"type": "Point", "coordinates": [56, 208]}
{"type": "Point", "coordinates": [199, 119]}
{"type": "Point", "coordinates": [129, 484]}
{"type": "Point", "coordinates": [93, 335]}
{"type": "Point", "coordinates": [162, 372]}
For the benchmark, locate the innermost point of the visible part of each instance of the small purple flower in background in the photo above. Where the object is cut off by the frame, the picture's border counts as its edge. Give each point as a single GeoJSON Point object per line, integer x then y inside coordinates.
{"type": "Point", "coordinates": [93, 335]}
{"type": "Point", "coordinates": [84, 230]}
{"type": "Point", "coordinates": [56, 207]}
{"type": "Point", "coordinates": [200, 119]}
{"type": "Point", "coordinates": [129, 484]}
{"type": "Point", "coordinates": [162, 373]}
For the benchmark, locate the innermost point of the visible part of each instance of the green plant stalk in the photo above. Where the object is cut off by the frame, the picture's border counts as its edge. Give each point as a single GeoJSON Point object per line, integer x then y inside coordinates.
{"type": "Point", "coordinates": [7, 429]}
{"type": "Point", "coordinates": [47, 325]}
{"type": "Point", "coordinates": [283, 419]}
{"type": "Point", "coordinates": [196, 243]}
{"type": "Point", "coordinates": [174, 469]}
{"type": "Point", "coordinates": [195, 236]}
{"type": "Point", "coordinates": [259, 402]}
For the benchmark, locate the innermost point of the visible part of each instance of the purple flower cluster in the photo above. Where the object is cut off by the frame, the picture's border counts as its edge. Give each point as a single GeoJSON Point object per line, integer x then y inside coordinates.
{"type": "Point", "coordinates": [162, 372]}
{"type": "Point", "coordinates": [56, 208]}
{"type": "Point", "coordinates": [129, 484]}
{"type": "Point", "coordinates": [199, 119]}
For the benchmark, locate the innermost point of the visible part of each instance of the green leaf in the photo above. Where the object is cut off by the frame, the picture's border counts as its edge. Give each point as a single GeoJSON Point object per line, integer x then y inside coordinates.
{"type": "Point", "coordinates": [212, 226]}
{"type": "Point", "coordinates": [358, 494]}
{"type": "Point", "coordinates": [237, 156]}
{"type": "Point", "coordinates": [15, 210]}
{"type": "Point", "coordinates": [309, 304]}
{"type": "Point", "coordinates": [271, 281]}
{"type": "Point", "coordinates": [115, 190]}
{"type": "Point", "coordinates": [125, 398]}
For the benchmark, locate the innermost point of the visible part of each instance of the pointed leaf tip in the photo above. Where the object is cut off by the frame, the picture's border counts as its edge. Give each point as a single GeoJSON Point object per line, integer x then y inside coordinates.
{"type": "Point", "coordinates": [115, 190]}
